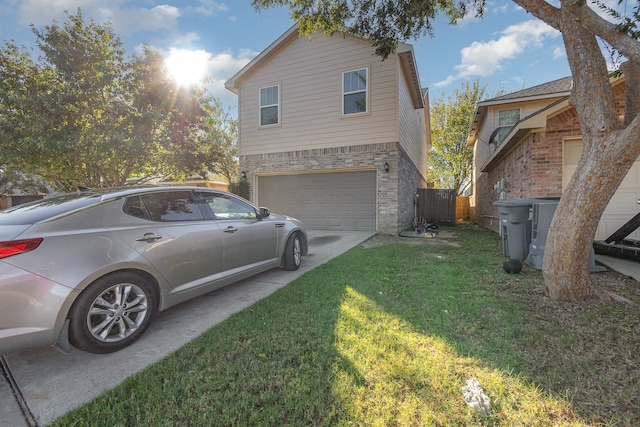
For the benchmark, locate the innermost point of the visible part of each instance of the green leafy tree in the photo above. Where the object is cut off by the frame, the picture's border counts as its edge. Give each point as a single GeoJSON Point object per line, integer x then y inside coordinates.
{"type": "Point", "coordinates": [84, 114]}
{"type": "Point", "coordinates": [610, 145]}
{"type": "Point", "coordinates": [450, 159]}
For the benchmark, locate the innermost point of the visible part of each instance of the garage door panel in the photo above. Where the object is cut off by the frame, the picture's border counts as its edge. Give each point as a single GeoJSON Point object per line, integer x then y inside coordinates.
{"type": "Point", "coordinates": [323, 201]}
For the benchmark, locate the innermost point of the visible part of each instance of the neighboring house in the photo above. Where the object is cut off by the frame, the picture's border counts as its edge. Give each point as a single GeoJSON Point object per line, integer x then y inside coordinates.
{"type": "Point", "coordinates": [15, 199]}
{"type": "Point", "coordinates": [331, 134]}
{"type": "Point", "coordinates": [527, 145]}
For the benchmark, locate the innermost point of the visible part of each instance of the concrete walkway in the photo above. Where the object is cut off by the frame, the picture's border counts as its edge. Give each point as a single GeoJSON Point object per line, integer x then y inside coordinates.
{"type": "Point", "coordinates": [43, 384]}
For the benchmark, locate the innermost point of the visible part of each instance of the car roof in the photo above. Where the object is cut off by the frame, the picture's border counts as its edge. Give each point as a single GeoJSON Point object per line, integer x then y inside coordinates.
{"type": "Point", "coordinates": [62, 204]}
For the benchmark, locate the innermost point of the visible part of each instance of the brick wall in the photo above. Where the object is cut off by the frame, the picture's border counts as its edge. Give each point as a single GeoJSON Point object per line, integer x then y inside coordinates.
{"type": "Point", "coordinates": [533, 169]}
{"type": "Point", "coordinates": [395, 188]}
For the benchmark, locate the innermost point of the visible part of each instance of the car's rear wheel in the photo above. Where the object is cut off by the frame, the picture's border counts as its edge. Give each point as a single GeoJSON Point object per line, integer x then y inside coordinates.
{"type": "Point", "coordinates": [112, 313]}
{"type": "Point", "coordinates": [293, 253]}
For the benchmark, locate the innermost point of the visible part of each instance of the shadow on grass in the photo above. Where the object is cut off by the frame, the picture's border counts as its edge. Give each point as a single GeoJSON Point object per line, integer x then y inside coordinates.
{"type": "Point", "coordinates": [381, 336]}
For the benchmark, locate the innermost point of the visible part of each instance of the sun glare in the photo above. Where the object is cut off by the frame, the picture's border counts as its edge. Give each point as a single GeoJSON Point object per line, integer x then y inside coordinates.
{"type": "Point", "coordinates": [187, 67]}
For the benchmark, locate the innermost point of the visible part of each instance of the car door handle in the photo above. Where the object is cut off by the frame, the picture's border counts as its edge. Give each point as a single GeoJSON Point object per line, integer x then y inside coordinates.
{"type": "Point", "coordinates": [230, 229]}
{"type": "Point", "coordinates": [149, 237]}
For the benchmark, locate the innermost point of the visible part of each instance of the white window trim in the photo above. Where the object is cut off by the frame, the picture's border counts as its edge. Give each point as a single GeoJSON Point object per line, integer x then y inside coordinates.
{"type": "Point", "coordinates": [260, 106]}
{"type": "Point", "coordinates": [366, 91]}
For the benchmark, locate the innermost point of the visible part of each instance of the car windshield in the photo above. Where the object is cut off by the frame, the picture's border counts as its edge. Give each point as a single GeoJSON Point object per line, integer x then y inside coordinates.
{"type": "Point", "coordinates": [37, 211]}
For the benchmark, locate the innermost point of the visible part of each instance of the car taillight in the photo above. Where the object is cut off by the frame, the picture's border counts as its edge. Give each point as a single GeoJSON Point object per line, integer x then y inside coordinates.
{"type": "Point", "coordinates": [15, 247]}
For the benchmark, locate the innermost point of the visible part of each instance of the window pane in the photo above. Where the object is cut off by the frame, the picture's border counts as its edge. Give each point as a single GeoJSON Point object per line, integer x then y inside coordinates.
{"type": "Point", "coordinates": [503, 132]}
{"type": "Point", "coordinates": [269, 96]}
{"type": "Point", "coordinates": [224, 207]}
{"type": "Point", "coordinates": [508, 117]}
{"type": "Point", "coordinates": [355, 103]}
{"type": "Point", "coordinates": [355, 81]}
{"type": "Point", "coordinates": [172, 206]}
{"type": "Point", "coordinates": [135, 207]}
{"type": "Point", "coordinates": [269, 116]}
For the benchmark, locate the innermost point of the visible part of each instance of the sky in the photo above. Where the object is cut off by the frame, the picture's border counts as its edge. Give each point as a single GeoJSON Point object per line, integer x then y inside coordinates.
{"type": "Point", "coordinates": [508, 49]}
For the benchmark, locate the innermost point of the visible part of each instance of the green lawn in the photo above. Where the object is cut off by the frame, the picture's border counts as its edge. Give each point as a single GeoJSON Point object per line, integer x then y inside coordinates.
{"type": "Point", "coordinates": [388, 335]}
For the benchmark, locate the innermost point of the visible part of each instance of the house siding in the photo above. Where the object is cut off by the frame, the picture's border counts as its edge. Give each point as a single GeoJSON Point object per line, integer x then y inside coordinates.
{"type": "Point", "coordinates": [412, 127]}
{"type": "Point", "coordinates": [309, 73]}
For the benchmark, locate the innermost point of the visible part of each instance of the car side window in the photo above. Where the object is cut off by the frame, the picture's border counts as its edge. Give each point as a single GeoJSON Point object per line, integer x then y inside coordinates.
{"type": "Point", "coordinates": [135, 207]}
{"type": "Point", "coordinates": [164, 206]}
{"type": "Point", "coordinates": [225, 207]}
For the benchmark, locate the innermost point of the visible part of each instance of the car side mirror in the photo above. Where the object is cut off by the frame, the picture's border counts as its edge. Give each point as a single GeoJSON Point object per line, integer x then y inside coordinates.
{"type": "Point", "coordinates": [264, 213]}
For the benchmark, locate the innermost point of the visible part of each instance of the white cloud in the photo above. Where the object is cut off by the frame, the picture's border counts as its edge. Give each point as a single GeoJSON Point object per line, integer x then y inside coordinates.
{"type": "Point", "coordinates": [485, 58]}
{"type": "Point", "coordinates": [221, 67]}
{"type": "Point", "coordinates": [31, 11]}
{"type": "Point", "coordinates": [559, 52]}
{"type": "Point", "coordinates": [207, 8]}
{"type": "Point", "coordinates": [129, 21]}
{"type": "Point", "coordinates": [125, 20]}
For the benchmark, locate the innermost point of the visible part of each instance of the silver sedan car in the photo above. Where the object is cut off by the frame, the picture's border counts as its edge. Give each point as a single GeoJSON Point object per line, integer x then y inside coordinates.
{"type": "Point", "coordinates": [92, 268]}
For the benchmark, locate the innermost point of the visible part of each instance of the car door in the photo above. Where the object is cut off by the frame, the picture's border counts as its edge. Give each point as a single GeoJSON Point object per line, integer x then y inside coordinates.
{"type": "Point", "coordinates": [249, 242]}
{"type": "Point", "coordinates": [175, 236]}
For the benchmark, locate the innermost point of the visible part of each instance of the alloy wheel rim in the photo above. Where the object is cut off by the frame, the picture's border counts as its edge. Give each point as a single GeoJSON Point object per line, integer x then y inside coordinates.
{"type": "Point", "coordinates": [297, 253]}
{"type": "Point", "coordinates": [117, 313]}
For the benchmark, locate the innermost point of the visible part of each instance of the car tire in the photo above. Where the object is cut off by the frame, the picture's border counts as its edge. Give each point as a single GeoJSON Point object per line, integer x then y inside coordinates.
{"type": "Point", "coordinates": [112, 313]}
{"type": "Point", "coordinates": [293, 253]}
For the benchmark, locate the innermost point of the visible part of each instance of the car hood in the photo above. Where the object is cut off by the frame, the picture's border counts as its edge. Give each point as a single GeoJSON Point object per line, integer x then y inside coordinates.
{"type": "Point", "coordinates": [9, 232]}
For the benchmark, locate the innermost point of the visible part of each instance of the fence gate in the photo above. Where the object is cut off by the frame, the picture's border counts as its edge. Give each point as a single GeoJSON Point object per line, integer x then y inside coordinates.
{"type": "Point", "coordinates": [437, 205]}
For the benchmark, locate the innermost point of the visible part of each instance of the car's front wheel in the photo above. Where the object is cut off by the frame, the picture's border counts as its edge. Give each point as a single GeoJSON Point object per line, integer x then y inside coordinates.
{"type": "Point", "coordinates": [112, 313]}
{"type": "Point", "coordinates": [293, 253]}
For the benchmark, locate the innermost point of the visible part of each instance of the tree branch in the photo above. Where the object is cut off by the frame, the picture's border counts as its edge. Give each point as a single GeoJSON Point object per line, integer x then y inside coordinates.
{"type": "Point", "coordinates": [631, 71]}
{"type": "Point", "coordinates": [543, 11]}
{"type": "Point", "coordinates": [621, 41]}
{"type": "Point", "coordinates": [592, 95]}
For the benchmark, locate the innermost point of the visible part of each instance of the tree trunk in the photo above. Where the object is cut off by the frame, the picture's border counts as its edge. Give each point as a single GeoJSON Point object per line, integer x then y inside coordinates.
{"type": "Point", "coordinates": [566, 260]}
{"type": "Point", "coordinates": [609, 151]}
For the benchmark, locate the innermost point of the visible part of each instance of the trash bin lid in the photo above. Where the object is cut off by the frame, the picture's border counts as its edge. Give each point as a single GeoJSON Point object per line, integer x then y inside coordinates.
{"type": "Point", "coordinates": [515, 202]}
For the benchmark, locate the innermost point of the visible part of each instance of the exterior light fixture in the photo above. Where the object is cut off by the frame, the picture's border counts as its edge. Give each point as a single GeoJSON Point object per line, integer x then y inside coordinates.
{"type": "Point", "coordinates": [243, 175]}
{"type": "Point", "coordinates": [386, 167]}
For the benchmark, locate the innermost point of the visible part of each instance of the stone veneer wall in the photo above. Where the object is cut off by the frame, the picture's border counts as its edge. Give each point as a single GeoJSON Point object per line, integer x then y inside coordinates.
{"type": "Point", "coordinates": [410, 181]}
{"type": "Point", "coordinates": [394, 211]}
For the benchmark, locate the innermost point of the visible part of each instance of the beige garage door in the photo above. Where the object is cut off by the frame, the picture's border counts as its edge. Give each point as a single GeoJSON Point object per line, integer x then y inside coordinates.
{"type": "Point", "coordinates": [323, 201]}
{"type": "Point", "coordinates": [624, 203]}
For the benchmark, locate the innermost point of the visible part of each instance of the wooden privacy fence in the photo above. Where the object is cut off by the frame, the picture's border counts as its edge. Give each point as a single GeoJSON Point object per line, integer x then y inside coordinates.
{"type": "Point", "coordinates": [463, 208]}
{"type": "Point", "coordinates": [437, 206]}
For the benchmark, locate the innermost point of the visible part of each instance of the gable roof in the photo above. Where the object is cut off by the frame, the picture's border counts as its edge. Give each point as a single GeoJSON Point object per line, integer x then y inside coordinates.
{"type": "Point", "coordinates": [560, 87]}
{"type": "Point", "coordinates": [557, 92]}
{"type": "Point", "coordinates": [404, 52]}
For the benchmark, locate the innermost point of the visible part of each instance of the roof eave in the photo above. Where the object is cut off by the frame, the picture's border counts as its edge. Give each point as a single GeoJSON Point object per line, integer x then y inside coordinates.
{"type": "Point", "coordinates": [262, 56]}
{"type": "Point", "coordinates": [409, 64]}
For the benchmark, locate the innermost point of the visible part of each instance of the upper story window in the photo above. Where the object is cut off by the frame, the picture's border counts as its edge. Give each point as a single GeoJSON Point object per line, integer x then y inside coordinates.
{"type": "Point", "coordinates": [355, 90]}
{"type": "Point", "coordinates": [506, 120]}
{"type": "Point", "coordinates": [270, 105]}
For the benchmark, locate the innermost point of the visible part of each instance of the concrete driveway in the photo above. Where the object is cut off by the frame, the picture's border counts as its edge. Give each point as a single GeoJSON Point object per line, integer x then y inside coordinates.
{"type": "Point", "coordinates": [41, 385]}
